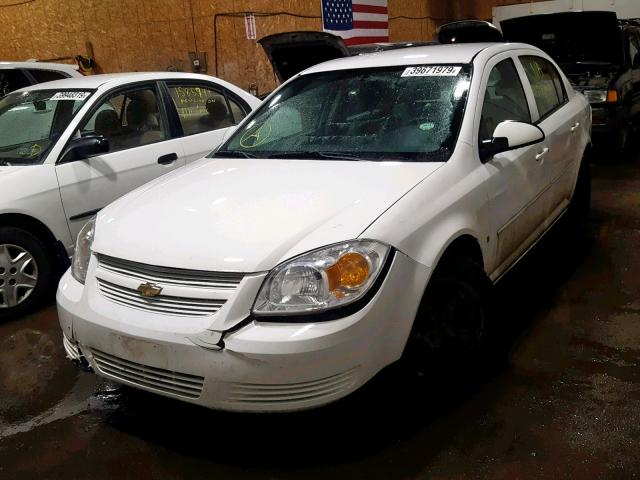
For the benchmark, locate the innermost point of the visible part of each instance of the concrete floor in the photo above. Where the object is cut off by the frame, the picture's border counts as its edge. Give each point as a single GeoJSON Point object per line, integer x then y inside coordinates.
{"type": "Point", "coordinates": [565, 403]}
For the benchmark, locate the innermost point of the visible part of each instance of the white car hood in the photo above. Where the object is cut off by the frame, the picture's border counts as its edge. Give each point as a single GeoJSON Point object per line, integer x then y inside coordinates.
{"type": "Point", "coordinates": [248, 215]}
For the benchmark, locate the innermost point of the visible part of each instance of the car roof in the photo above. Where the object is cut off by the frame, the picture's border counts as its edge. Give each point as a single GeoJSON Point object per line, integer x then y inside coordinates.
{"type": "Point", "coordinates": [92, 82]}
{"type": "Point", "coordinates": [429, 54]}
{"type": "Point", "coordinates": [65, 67]}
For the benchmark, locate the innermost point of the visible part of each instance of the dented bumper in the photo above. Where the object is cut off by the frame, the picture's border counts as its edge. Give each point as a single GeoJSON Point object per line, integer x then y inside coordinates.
{"type": "Point", "coordinates": [258, 366]}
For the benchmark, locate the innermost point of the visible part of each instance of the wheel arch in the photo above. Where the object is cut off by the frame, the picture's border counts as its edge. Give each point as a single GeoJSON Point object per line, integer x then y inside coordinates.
{"type": "Point", "coordinates": [40, 230]}
{"type": "Point", "coordinates": [464, 245]}
{"type": "Point", "coordinates": [584, 162]}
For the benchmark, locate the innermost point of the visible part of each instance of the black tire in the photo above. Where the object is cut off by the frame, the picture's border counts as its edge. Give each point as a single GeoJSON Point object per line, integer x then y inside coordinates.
{"type": "Point", "coordinates": [577, 216]}
{"type": "Point", "coordinates": [452, 326]}
{"type": "Point", "coordinates": [13, 239]}
{"type": "Point", "coordinates": [621, 142]}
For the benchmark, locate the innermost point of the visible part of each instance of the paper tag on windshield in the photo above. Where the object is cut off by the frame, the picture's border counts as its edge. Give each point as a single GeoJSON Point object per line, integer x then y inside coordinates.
{"type": "Point", "coordinates": [432, 71]}
{"type": "Point", "coordinates": [70, 96]}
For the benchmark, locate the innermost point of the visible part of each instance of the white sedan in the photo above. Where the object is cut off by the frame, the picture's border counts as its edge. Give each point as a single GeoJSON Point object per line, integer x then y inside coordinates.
{"type": "Point", "coordinates": [17, 75]}
{"type": "Point", "coordinates": [361, 213]}
{"type": "Point", "coordinates": [70, 147]}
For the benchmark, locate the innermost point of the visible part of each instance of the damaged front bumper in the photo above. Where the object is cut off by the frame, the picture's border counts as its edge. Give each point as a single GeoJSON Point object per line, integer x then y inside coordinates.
{"type": "Point", "coordinates": [256, 366]}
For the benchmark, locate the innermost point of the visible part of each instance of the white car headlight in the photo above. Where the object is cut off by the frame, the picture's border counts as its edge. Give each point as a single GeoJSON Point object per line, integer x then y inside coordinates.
{"type": "Point", "coordinates": [324, 279]}
{"type": "Point", "coordinates": [595, 96]}
{"type": "Point", "coordinates": [82, 254]}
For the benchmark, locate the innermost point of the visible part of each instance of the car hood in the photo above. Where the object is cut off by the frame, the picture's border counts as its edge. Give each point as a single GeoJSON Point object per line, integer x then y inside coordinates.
{"type": "Point", "coordinates": [569, 37]}
{"type": "Point", "coordinates": [293, 52]}
{"type": "Point", "coordinates": [248, 215]}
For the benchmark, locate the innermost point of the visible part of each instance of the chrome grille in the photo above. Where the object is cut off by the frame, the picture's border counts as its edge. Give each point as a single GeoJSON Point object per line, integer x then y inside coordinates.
{"type": "Point", "coordinates": [161, 304]}
{"type": "Point", "coordinates": [169, 276]}
{"type": "Point", "coordinates": [292, 392]}
{"type": "Point", "coordinates": [174, 383]}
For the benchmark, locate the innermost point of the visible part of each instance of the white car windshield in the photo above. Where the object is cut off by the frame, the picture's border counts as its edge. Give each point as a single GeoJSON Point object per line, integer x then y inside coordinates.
{"type": "Point", "coordinates": [394, 113]}
{"type": "Point", "coordinates": [31, 122]}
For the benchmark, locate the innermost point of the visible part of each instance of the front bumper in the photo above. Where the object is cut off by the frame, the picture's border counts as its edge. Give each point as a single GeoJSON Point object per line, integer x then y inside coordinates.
{"type": "Point", "coordinates": [607, 119]}
{"type": "Point", "coordinates": [262, 366]}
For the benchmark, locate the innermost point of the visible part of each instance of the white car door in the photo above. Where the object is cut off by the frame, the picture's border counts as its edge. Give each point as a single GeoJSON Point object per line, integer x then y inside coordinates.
{"type": "Point", "coordinates": [515, 177]}
{"type": "Point", "coordinates": [207, 112]}
{"type": "Point", "coordinates": [141, 148]}
{"type": "Point", "coordinates": [560, 118]}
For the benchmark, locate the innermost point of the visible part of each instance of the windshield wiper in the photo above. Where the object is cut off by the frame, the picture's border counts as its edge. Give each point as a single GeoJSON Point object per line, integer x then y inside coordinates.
{"type": "Point", "coordinates": [233, 154]}
{"type": "Point", "coordinates": [318, 155]}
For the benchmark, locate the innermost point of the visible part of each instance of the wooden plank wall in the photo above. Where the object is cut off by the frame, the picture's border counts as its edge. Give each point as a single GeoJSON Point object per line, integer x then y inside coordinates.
{"type": "Point", "coordinates": [148, 35]}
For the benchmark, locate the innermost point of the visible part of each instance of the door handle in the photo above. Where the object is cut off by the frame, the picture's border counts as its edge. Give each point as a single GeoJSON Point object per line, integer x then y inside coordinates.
{"type": "Point", "coordinates": [541, 155]}
{"type": "Point", "coordinates": [167, 159]}
{"type": "Point", "coordinates": [575, 127]}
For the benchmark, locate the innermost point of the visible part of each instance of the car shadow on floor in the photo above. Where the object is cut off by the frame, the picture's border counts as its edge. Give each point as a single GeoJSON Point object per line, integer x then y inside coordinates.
{"type": "Point", "coordinates": [392, 407]}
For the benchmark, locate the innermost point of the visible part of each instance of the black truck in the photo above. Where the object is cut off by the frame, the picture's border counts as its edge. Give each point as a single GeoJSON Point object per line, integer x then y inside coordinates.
{"type": "Point", "coordinates": [600, 54]}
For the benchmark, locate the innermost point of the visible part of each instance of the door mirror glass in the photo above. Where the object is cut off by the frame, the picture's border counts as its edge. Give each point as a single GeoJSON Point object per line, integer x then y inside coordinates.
{"type": "Point", "coordinates": [85, 147]}
{"type": "Point", "coordinates": [510, 135]}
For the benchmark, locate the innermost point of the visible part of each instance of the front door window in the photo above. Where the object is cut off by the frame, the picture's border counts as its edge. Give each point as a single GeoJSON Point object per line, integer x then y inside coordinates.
{"type": "Point", "coordinates": [504, 100]}
{"type": "Point", "coordinates": [128, 119]}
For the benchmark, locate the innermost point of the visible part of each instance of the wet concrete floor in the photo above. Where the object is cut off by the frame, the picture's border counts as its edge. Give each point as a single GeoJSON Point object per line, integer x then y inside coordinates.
{"type": "Point", "coordinates": [564, 402]}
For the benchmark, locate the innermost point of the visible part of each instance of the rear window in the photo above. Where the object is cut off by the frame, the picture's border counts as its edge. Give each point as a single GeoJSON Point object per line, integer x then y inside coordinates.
{"type": "Point", "coordinates": [47, 75]}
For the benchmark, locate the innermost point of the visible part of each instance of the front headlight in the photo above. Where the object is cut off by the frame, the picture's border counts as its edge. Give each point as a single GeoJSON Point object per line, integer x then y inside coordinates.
{"type": "Point", "coordinates": [82, 254]}
{"type": "Point", "coordinates": [324, 279]}
{"type": "Point", "coordinates": [595, 96]}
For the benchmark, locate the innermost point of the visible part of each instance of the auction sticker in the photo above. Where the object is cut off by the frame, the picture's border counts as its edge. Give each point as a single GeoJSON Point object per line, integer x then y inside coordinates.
{"type": "Point", "coordinates": [432, 71]}
{"type": "Point", "coordinates": [70, 96]}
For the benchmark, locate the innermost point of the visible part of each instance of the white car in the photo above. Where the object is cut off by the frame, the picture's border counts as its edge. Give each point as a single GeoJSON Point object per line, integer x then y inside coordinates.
{"type": "Point", "coordinates": [361, 212]}
{"type": "Point", "coordinates": [17, 75]}
{"type": "Point", "coordinates": [70, 147]}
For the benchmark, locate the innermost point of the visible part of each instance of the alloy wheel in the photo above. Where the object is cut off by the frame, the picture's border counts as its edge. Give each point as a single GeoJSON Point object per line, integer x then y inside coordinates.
{"type": "Point", "coordinates": [18, 275]}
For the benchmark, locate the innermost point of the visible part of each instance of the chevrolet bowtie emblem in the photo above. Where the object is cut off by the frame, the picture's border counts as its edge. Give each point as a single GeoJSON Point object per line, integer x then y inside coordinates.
{"type": "Point", "coordinates": [149, 290]}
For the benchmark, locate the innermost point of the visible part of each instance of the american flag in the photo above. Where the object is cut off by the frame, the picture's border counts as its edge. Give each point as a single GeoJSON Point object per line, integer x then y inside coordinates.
{"type": "Point", "coordinates": [356, 21]}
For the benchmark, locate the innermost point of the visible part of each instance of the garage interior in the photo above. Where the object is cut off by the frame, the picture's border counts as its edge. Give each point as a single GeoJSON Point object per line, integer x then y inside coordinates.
{"type": "Point", "coordinates": [562, 402]}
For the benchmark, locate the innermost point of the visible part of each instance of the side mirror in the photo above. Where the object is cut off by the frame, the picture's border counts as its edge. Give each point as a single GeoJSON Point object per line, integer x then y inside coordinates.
{"type": "Point", "coordinates": [510, 135]}
{"type": "Point", "coordinates": [84, 147]}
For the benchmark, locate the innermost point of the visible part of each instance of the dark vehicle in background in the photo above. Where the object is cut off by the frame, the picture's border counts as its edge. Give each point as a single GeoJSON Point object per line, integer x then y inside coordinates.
{"type": "Point", "coordinates": [600, 55]}
{"type": "Point", "coordinates": [16, 75]}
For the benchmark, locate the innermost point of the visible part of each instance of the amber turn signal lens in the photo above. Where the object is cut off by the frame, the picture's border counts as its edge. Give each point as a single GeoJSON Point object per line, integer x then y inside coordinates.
{"type": "Point", "coordinates": [612, 96]}
{"type": "Point", "coordinates": [350, 271]}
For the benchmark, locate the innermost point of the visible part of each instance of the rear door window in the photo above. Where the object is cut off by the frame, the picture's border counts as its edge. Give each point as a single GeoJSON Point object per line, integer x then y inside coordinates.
{"type": "Point", "coordinates": [546, 83]}
{"type": "Point", "coordinates": [202, 109]}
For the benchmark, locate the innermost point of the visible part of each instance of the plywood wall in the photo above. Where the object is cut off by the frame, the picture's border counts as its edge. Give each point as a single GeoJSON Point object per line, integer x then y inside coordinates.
{"type": "Point", "coordinates": [148, 35]}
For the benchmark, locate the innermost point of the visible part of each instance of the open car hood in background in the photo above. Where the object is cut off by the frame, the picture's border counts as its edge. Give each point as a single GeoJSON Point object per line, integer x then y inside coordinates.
{"type": "Point", "coordinates": [293, 52]}
{"type": "Point", "coordinates": [570, 38]}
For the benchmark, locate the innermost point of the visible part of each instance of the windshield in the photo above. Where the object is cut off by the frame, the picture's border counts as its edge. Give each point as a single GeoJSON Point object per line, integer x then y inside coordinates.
{"type": "Point", "coordinates": [31, 122]}
{"type": "Point", "coordinates": [399, 113]}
